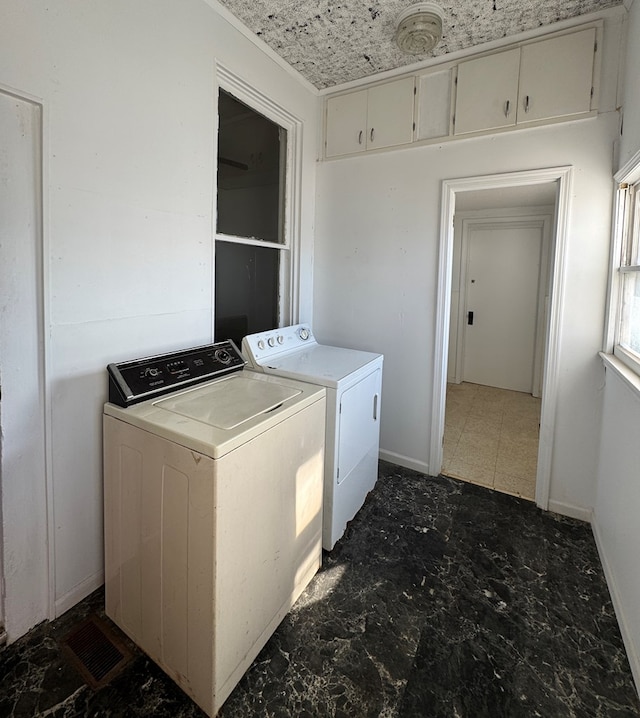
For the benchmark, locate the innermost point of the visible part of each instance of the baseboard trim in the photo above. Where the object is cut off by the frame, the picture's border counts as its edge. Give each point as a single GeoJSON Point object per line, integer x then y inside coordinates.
{"type": "Point", "coordinates": [404, 461]}
{"type": "Point", "coordinates": [78, 593]}
{"type": "Point", "coordinates": [574, 512]}
{"type": "Point", "coordinates": [632, 654]}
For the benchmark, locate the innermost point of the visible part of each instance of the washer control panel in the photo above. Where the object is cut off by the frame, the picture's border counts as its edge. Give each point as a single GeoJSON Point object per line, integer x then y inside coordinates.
{"type": "Point", "coordinates": [260, 347]}
{"type": "Point", "coordinates": [134, 381]}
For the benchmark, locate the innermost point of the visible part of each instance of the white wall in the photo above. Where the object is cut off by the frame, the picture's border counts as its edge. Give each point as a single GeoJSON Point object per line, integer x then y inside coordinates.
{"type": "Point", "coordinates": [617, 507]}
{"type": "Point", "coordinates": [129, 96]}
{"type": "Point", "coordinates": [617, 504]}
{"type": "Point", "coordinates": [376, 273]}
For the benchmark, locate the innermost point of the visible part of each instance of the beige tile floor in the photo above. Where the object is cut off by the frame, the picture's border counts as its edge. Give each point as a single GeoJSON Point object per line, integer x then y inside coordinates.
{"type": "Point", "coordinates": [491, 438]}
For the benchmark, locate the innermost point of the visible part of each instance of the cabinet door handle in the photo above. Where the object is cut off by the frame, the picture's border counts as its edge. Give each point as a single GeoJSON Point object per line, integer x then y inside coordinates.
{"type": "Point", "coordinates": [371, 135]}
{"type": "Point", "coordinates": [507, 108]}
{"type": "Point", "coordinates": [375, 407]}
{"type": "Point", "coordinates": [526, 103]}
{"type": "Point", "coordinates": [360, 138]}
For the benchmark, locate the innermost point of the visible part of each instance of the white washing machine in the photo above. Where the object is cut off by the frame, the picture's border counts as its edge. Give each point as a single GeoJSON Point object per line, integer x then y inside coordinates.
{"type": "Point", "coordinates": [213, 480]}
{"type": "Point", "coordinates": [353, 380]}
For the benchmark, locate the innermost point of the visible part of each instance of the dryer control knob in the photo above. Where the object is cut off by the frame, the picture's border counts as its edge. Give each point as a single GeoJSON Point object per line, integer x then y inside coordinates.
{"type": "Point", "coordinates": [280, 339]}
{"type": "Point", "coordinates": [261, 344]}
{"type": "Point", "coordinates": [271, 342]}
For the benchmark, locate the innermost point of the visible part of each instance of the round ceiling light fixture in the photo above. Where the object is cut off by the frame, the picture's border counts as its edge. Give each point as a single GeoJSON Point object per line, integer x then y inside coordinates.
{"type": "Point", "coordinates": [419, 28]}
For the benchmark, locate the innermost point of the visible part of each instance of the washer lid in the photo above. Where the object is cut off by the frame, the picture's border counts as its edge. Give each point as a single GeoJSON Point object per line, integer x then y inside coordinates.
{"type": "Point", "coordinates": [320, 364]}
{"type": "Point", "coordinates": [222, 415]}
{"type": "Point", "coordinates": [229, 403]}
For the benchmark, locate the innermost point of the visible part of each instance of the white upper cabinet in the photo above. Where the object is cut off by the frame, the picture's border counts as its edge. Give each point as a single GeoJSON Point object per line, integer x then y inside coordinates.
{"type": "Point", "coordinates": [390, 114]}
{"type": "Point", "coordinates": [487, 92]}
{"type": "Point", "coordinates": [537, 81]}
{"type": "Point", "coordinates": [433, 110]}
{"type": "Point", "coordinates": [381, 116]}
{"type": "Point", "coordinates": [347, 123]}
{"type": "Point", "coordinates": [542, 80]}
{"type": "Point", "coordinates": [556, 77]}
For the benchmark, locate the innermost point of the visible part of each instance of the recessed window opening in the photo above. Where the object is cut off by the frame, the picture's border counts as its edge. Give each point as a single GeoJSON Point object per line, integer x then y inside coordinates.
{"type": "Point", "coordinates": [626, 283]}
{"type": "Point", "coordinates": [251, 164]}
{"type": "Point", "coordinates": [252, 249]}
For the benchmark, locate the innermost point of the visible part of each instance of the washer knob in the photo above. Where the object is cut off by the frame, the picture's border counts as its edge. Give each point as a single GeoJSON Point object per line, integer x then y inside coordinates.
{"type": "Point", "coordinates": [280, 339]}
{"type": "Point", "coordinates": [223, 356]}
{"type": "Point", "coordinates": [304, 334]}
{"type": "Point", "coordinates": [271, 342]}
{"type": "Point", "coordinates": [261, 344]}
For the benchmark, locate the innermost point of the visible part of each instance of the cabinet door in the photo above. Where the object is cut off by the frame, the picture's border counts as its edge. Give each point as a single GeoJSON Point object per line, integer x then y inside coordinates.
{"type": "Point", "coordinates": [346, 123]}
{"type": "Point", "coordinates": [390, 114]}
{"type": "Point", "coordinates": [486, 92]}
{"type": "Point", "coordinates": [434, 105]}
{"type": "Point", "coordinates": [556, 77]}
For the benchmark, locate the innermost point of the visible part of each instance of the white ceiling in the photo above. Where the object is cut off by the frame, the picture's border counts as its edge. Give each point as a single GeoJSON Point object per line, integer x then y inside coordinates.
{"type": "Point", "coordinates": [331, 43]}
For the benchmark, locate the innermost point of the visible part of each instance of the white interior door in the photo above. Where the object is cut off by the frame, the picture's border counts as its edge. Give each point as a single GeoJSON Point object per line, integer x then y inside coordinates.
{"type": "Point", "coordinates": [22, 454]}
{"type": "Point", "coordinates": [501, 309]}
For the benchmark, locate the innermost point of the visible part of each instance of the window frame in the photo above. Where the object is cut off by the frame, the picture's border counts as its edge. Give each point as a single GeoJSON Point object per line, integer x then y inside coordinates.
{"type": "Point", "coordinates": [625, 257]}
{"type": "Point", "coordinates": [289, 247]}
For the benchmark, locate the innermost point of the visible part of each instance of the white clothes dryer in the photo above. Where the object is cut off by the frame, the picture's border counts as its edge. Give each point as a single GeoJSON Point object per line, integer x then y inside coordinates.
{"type": "Point", "coordinates": [353, 380]}
{"type": "Point", "coordinates": [213, 483]}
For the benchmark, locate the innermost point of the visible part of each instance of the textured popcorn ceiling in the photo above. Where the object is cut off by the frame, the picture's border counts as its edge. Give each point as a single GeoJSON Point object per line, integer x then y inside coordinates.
{"type": "Point", "coordinates": [334, 42]}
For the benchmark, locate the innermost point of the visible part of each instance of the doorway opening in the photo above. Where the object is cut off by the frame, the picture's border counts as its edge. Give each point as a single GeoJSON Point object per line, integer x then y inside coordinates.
{"type": "Point", "coordinates": [500, 286]}
{"type": "Point", "coordinates": [499, 295]}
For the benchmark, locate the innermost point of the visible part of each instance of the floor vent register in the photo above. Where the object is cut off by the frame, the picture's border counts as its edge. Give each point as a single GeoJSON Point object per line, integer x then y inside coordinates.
{"type": "Point", "coordinates": [95, 652]}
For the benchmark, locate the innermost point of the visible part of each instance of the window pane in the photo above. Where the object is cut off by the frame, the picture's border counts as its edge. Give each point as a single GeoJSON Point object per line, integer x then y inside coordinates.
{"type": "Point", "coordinates": [246, 290]}
{"type": "Point", "coordinates": [630, 320]}
{"type": "Point", "coordinates": [251, 163]}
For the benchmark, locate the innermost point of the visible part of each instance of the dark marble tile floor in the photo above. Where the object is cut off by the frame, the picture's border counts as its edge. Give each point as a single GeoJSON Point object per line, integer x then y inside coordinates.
{"type": "Point", "coordinates": [443, 599]}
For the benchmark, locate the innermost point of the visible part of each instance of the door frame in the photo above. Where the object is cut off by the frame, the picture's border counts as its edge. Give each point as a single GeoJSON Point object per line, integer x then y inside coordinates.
{"type": "Point", "coordinates": [501, 218]}
{"type": "Point", "coordinates": [42, 274]}
{"type": "Point", "coordinates": [563, 177]}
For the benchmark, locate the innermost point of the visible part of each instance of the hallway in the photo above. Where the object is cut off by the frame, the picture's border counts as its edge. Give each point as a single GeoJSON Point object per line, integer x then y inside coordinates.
{"type": "Point", "coordinates": [491, 438]}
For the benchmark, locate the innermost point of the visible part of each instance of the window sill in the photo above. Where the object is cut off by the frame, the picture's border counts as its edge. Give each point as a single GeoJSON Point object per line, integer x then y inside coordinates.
{"type": "Point", "coordinates": [628, 376]}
